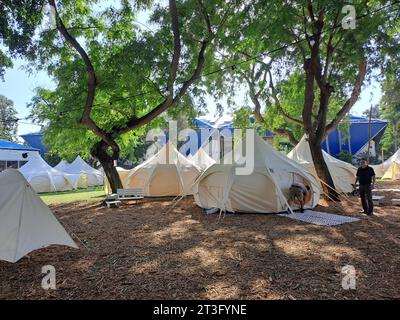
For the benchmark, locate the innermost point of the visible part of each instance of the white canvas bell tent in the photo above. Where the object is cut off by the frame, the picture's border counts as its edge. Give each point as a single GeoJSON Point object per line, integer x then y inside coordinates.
{"type": "Point", "coordinates": [26, 223]}
{"type": "Point", "coordinates": [62, 165]}
{"type": "Point", "coordinates": [382, 169]}
{"type": "Point", "coordinates": [201, 159]}
{"type": "Point", "coordinates": [264, 190]}
{"type": "Point", "coordinates": [393, 172]}
{"type": "Point", "coordinates": [79, 166]}
{"type": "Point", "coordinates": [82, 181]}
{"type": "Point", "coordinates": [167, 173]}
{"type": "Point", "coordinates": [43, 178]}
{"type": "Point", "coordinates": [343, 174]}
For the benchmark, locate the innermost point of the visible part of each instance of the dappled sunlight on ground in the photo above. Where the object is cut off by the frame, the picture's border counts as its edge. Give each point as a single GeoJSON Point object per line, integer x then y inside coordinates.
{"type": "Point", "coordinates": [139, 251]}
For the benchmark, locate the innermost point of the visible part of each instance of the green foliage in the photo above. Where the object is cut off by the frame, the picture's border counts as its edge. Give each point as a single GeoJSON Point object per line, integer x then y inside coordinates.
{"type": "Point", "coordinates": [18, 22]}
{"type": "Point", "coordinates": [241, 118]}
{"type": "Point", "coordinates": [387, 141]}
{"type": "Point", "coordinates": [132, 66]}
{"type": "Point", "coordinates": [8, 116]}
{"type": "Point", "coordinates": [390, 111]}
{"type": "Point", "coordinates": [266, 26]}
{"type": "Point", "coordinates": [345, 156]}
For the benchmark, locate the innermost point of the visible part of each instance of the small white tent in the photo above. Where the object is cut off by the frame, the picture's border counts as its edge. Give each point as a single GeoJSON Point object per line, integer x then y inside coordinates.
{"type": "Point", "coordinates": [167, 173]}
{"type": "Point", "coordinates": [382, 169]}
{"type": "Point", "coordinates": [79, 166]}
{"type": "Point", "coordinates": [44, 178]}
{"type": "Point", "coordinates": [201, 159]}
{"type": "Point", "coordinates": [342, 173]}
{"type": "Point", "coordinates": [82, 181]}
{"type": "Point", "coordinates": [62, 165]}
{"type": "Point", "coordinates": [264, 190]}
{"type": "Point", "coordinates": [26, 223]}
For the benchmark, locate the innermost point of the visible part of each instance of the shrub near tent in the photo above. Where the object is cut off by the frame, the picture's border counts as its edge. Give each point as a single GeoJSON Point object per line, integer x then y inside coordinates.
{"type": "Point", "coordinates": [265, 190]}
{"type": "Point", "coordinates": [26, 223]}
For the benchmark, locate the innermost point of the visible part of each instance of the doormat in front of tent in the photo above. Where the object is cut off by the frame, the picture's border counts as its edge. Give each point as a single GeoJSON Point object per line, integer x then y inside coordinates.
{"type": "Point", "coordinates": [319, 218]}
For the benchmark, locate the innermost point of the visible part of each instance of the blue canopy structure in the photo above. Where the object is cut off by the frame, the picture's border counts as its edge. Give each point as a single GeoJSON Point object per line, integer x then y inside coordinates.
{"type": "Point", "coordinates": [354, 140]}
{"type": "Point", "coordinates": [35, 141]}
{"type": "Point", "coordinates": [8, 145]}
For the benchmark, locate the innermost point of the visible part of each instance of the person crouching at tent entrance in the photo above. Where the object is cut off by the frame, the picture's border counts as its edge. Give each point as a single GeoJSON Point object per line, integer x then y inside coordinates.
{"type": "Point", "coordinates": [299, 192]}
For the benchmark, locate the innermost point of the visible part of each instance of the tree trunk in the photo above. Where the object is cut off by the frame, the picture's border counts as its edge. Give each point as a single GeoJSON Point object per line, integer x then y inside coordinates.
{"type": "Point", "coordinates": [322, 171]}
{"type": "Point", "coordinates": [99, 151]}
{"type": "Point", "coordinates": [395, 135]}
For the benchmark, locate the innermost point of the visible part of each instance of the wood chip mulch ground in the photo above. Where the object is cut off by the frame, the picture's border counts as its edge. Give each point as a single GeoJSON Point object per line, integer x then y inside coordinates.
{"type": "Point", "coordinates": [138, 251]}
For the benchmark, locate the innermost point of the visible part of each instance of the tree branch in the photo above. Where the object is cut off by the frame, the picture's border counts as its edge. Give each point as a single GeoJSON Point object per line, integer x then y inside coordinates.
{"type": "Point", "coordinates": [278, 104]}
{"type": "Point", "coordinates": [362, 70]}
{"type": "Point", "coordinates": [177, 47]}
{"type": "Point", "coordinates": [91, 84]}
{"type": "Point", "coordinates": [288, 134]}
{"type": "Point", "coordinates": [135, 122]}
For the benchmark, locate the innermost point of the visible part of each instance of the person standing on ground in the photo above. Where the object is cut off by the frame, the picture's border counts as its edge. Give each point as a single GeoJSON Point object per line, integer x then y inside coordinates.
{"type": "Point", "coordinates": [366, 178]}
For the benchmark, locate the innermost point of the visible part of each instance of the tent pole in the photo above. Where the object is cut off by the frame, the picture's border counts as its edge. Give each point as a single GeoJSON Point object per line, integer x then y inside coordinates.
{"type": "Point", "coordinates": [369, 134]}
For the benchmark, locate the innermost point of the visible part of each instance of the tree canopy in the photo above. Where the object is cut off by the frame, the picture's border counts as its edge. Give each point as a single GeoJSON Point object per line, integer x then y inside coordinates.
{"type": "Point", "coordinates": [8, 119]}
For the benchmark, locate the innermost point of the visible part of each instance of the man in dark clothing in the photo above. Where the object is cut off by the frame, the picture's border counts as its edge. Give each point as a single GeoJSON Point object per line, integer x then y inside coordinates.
{"type": "Point", "coordinates": [366, 178]}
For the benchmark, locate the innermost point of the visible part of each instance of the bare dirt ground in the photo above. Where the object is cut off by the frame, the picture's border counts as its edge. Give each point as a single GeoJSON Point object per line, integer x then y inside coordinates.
{"type": "Point", "coordinates": [140, 252]}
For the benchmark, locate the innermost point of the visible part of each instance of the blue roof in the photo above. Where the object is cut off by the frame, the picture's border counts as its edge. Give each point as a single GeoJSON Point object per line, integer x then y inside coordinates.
{"type": "Point", "coordinates": [8, 145]}
{"type": "Point", "coordinates": [35, 140]}
{"type": "Point", "coordinates": [227, 124]}
{"type": "Point", "coordinates": [358, 135]}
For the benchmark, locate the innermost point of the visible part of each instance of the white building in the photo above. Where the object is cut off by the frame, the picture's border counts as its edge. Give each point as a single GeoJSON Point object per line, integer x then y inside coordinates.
{"type": "Point", "coordinates": [13, 155]}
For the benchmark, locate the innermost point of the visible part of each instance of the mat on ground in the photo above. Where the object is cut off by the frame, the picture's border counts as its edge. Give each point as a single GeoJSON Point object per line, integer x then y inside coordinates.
{"type": "Point", "coordinates": [319, 218]}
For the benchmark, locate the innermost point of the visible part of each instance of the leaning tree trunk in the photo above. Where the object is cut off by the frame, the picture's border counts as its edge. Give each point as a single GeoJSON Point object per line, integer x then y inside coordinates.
{"type": "Point", "coordinates": [322, 171]}
{"type": "Point", "coordinates": [99, 151]}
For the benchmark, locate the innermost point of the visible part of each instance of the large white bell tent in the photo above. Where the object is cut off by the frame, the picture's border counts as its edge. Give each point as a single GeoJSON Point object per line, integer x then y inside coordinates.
{"type": "Point", "coordinates": [26, 223]}
{"type": "Point", "coordinates": [201, 159]}
{"type": "Point", "coordinates": [264, 189]}
{"type": "Point", "coordinates": [343, 174]}
{"type": "Point", "coordinates": [43, 178]}
{"type": "Point", "coordinates": [387, 169]}
{"type": "Point", "coordinates": [167, 173]}
{"type": "Point", "coordinates": [79, 166]}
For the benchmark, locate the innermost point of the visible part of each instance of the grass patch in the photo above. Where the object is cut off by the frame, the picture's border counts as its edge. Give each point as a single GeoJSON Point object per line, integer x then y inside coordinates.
{"type": "Point", "coordinates": [83, 195]}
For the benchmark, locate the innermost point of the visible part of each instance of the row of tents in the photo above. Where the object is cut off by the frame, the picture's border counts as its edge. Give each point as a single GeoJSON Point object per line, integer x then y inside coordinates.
{"type": "Point", "coordinates": [216, 185]}
{"type": "Point", "coordinates": [27, 224]}
{"type": "Point", "coordinates": [65, 176]}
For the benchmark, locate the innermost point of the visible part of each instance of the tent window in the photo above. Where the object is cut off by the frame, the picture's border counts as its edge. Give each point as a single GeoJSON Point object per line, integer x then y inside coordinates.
{"type": "Point", "coordinates": [12, 164]}
{"type": "Point", "coordinates": [21, 163]}
{"type": "Point", "coordinates": [3, 165]}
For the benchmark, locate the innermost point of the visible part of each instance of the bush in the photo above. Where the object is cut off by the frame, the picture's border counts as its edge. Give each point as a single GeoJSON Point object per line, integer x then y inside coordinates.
{"type": "Point", "coordinates": [345, 156]}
